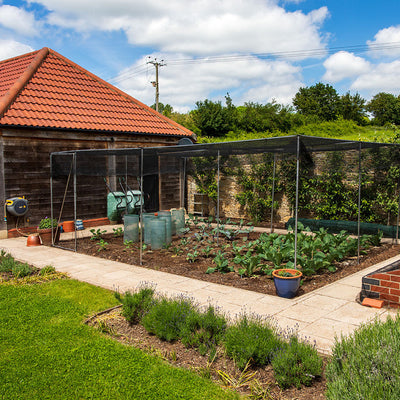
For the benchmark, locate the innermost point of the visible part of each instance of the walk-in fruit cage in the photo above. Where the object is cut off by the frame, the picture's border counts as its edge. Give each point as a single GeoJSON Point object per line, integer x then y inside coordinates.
{"type": "Point", "coordinates": [277, 182]}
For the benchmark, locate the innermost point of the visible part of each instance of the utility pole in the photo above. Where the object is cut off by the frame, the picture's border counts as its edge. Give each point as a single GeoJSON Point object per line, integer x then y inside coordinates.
{"type": "Point", "coordinates": [155, 83]}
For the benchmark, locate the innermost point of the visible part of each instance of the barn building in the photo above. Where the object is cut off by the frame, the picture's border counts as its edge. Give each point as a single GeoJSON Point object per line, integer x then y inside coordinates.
{"type": "Point", "coordinates": [50, 104]}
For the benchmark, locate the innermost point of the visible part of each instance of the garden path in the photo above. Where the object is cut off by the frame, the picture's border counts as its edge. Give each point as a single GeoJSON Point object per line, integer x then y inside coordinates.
{"type": "Point", "coordinates": [320, 315]}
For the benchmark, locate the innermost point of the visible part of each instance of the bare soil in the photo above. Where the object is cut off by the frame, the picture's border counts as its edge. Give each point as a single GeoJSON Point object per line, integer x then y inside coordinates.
{"type": "Point", "coordinates": [175, 353]}
{"type": "Point", "coordinates": [166, 261]}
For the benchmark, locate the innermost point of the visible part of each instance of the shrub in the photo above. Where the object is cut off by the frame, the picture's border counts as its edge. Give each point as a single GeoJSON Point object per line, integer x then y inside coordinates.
{"type": "Point", "coordinates": [203, 330]}
{"type": "Point", "coordinates": [167, 317]}
{"type": "Point", "coordinates": [135, 305]}
{"type": "Point", "coordinates": [251, 338]}
{"type": "Point", "coordinates": [296, 363]}
{"type": "Point", "coordinates": [20, 270]}
{"type": "Point", "coordinates": [366, 364]}
{"type": "Point", "coordinates": [47, 270]}
{"type": "Point", "coordinates": [7, 263]}
{"type": "Point", "coordinates": [47, 223]}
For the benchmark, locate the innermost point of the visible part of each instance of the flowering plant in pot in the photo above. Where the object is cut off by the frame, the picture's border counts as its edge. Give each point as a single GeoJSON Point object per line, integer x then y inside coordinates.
{"type": "Point", "coordinates": [45, 229]}
{"type": "Point", "coordinates": [287, 282]}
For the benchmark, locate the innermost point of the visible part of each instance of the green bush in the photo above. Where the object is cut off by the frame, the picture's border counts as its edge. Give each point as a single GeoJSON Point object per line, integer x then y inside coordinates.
{"type": "Point", "coordinates": [366, 364]}
{"type": "Point", "coordinates": [20, 270]}
{"type": "Point", "coordinates": [47, 270]}
{"type": "Point", "coordinates": [251, 338]}
{"type": "Point", "coordinates": [167, 317]}
{"type": "Point", "coordinates": [7, 263]}
{"type": "Point", "coordinates": [296, 364]}
{"type": "Point", "coordinates": [203, 330]}
{"type": "Point", "coordinates": [136, 304]}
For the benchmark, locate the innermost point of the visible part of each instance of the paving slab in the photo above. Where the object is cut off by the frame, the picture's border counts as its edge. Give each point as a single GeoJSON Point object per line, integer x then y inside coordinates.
{"type": "Point", "coordinates": [354, 313]}
{"type": "Point", "coordinates": [318, 316]}
{"type": "Point", "coordinates": [328, 328]}
{"type": "Point", "coordinates": [325, 303]}
{"type": "Point", "coordinates": [338, 290]}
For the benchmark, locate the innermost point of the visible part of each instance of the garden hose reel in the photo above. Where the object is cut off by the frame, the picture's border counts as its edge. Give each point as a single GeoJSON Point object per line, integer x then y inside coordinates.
{"type": "Point", "coordinates": [17, 206]}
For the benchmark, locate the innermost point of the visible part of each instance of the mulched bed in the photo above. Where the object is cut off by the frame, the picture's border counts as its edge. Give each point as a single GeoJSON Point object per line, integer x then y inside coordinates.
{"type": "Point", "coordinates": [175, 353]}
{"type": "Point", "coordinates": [167, 261]}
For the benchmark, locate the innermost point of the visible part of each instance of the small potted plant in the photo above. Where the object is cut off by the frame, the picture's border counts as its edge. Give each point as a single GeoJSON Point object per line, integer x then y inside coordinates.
{"type": "Point", "coordinates": [287, 282]}
{"type": "Point", "coordinates": [46, 228]}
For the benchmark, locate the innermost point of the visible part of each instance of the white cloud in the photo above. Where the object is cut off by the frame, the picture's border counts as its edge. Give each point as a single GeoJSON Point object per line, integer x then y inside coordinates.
{"type": "Point", "coordinates": [382, 43]}
{"type": "Point", "coordinates": [181, 85]}
{"type": "Point", "coordinates": [344, 65]}
{"type": "Point", "coordinates": [18, 20]}
{"type": "Point", "coordinates": [366, 77]}
{"type": "Point", "coordinates": [383, 77]}
{"type": "Point", "coordinates": [11, 48]}
{"type": "Point", "coordinates": [196, 27]}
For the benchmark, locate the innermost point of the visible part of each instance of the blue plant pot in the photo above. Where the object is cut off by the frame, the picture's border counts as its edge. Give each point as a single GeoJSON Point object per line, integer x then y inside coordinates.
{"type": "Point", "coordinates": [287, 286]}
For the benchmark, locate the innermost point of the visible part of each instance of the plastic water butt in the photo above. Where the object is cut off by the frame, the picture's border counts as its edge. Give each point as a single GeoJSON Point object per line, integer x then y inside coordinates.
{"type": "Point", "coordinates": [131, 227]}
{"type": "Point", "coordinates": [158, 233]}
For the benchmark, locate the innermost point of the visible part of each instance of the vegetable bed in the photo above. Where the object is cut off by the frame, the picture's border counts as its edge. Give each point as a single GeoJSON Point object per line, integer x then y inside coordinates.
{"type": "Point", "coordinates": [243, 258]}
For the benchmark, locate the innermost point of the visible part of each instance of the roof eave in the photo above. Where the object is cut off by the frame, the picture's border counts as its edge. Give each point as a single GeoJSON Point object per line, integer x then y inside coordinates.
{"type": "Point", "coordinates": [47, 128]}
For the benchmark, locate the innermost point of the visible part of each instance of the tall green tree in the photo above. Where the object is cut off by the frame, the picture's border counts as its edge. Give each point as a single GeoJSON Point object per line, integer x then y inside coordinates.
{"type": "Point", "coordinates": [385, 108]}
{"type": "Point", "coordinates": [353, 108]}
{"type": "Point", "coordinates": [270, 117]}
{"type": "Point", "coordinates": [213, 119]}
{"type": "Point", "coordinates": [320, 100]}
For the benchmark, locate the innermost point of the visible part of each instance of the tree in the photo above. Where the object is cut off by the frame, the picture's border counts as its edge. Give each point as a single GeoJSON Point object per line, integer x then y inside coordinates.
{"type": "Point", "coordinates": [213, 119]}
{"type": "Point", "coordinates": [320, 100]}
{"type": "Point", "coordinates": [385, 108]}
{"type": "Point", "coordinates": [353, 108]}
{"type": "Point", "coordinates": [166, 109]}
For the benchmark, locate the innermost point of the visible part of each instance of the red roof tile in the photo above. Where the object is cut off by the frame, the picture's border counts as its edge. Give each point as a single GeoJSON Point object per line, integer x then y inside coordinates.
{"type": "Point", "coordinates": [43, 89]}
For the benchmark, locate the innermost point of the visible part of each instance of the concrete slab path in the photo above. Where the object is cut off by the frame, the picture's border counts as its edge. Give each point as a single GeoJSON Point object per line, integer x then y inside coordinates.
{"type": "Point", "coordinates": [320, 315]}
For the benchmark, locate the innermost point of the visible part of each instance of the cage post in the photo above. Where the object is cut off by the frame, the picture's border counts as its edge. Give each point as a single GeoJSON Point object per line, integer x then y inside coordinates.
{"type": "Point", "coordinates": [75, 235]}
{"type": "Point", "coordinates": [397, 222]}
{"type": "Point", "coordinates": [51, 198]}
{"type": "Point", "coordinates": [297, 199]}
{"type": "Point", "coordinates": [273, 194]}
{"type": "Point", "coordinates": [126, 185]}
{"type": "Point", "coordinates": [359, 204]}
{"type": "Point", "coordinates": [141, 209]}
{"type": "Point", "coordinates": [218, 198]}
{"type": "Point", "coordinates": [183, 184]}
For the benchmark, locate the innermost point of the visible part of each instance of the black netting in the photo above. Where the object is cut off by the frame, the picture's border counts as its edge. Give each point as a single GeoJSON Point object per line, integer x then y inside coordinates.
{"type": "Point", "coordinates": [166, 159]}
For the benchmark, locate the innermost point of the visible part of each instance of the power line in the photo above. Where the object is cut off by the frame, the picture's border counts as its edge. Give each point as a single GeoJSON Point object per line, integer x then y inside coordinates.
{"type": "Point", "coordinates": [296, 54]}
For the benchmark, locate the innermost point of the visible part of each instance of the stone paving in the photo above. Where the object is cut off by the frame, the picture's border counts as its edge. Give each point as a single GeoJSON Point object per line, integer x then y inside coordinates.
{"type": "Point", "coordinates": [320, 315]}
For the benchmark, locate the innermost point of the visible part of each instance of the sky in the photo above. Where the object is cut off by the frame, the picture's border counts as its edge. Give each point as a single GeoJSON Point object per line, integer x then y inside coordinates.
{"type": "Point", "coordinates": [256, 50]}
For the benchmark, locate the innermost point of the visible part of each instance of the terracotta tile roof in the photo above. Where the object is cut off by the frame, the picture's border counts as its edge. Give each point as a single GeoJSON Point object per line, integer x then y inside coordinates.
{"type": "Point", "coordinates": [43, 89]}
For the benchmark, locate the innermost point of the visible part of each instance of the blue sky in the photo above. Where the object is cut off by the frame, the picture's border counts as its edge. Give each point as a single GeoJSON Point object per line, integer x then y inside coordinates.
{"type": "Point", "coordinates": [257, 50]}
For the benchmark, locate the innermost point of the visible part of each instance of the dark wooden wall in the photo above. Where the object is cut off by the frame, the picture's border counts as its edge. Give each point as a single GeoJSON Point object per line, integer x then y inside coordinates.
{"type": "Point", "coordinates": [25, 171]}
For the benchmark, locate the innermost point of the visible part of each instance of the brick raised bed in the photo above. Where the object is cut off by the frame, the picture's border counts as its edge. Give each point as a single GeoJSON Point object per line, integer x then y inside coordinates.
{"type": "Point", "coordinates": [383, 284]}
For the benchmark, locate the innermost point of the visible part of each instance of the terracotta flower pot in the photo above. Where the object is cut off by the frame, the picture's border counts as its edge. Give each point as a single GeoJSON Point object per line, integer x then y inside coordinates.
{"type": "Point", "coordinates": [68, 226]}
{"type": "Point", "coordinates": [33, 240]}
{"type": "Point", "coordinates": [287, 282]}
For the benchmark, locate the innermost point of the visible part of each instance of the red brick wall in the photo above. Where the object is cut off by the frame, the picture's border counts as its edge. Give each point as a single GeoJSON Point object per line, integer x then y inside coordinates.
{"type": "Point", "coordinates": [383, 286]}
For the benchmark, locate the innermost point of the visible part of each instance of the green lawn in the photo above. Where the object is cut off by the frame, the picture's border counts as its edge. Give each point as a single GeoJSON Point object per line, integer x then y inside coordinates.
{"type": "Point", "coordinates": [46, 352]}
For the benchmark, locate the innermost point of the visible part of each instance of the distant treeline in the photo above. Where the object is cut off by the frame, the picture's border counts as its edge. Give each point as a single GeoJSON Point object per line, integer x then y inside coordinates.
{"type": "Point", "coordinates": [312, 106]}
